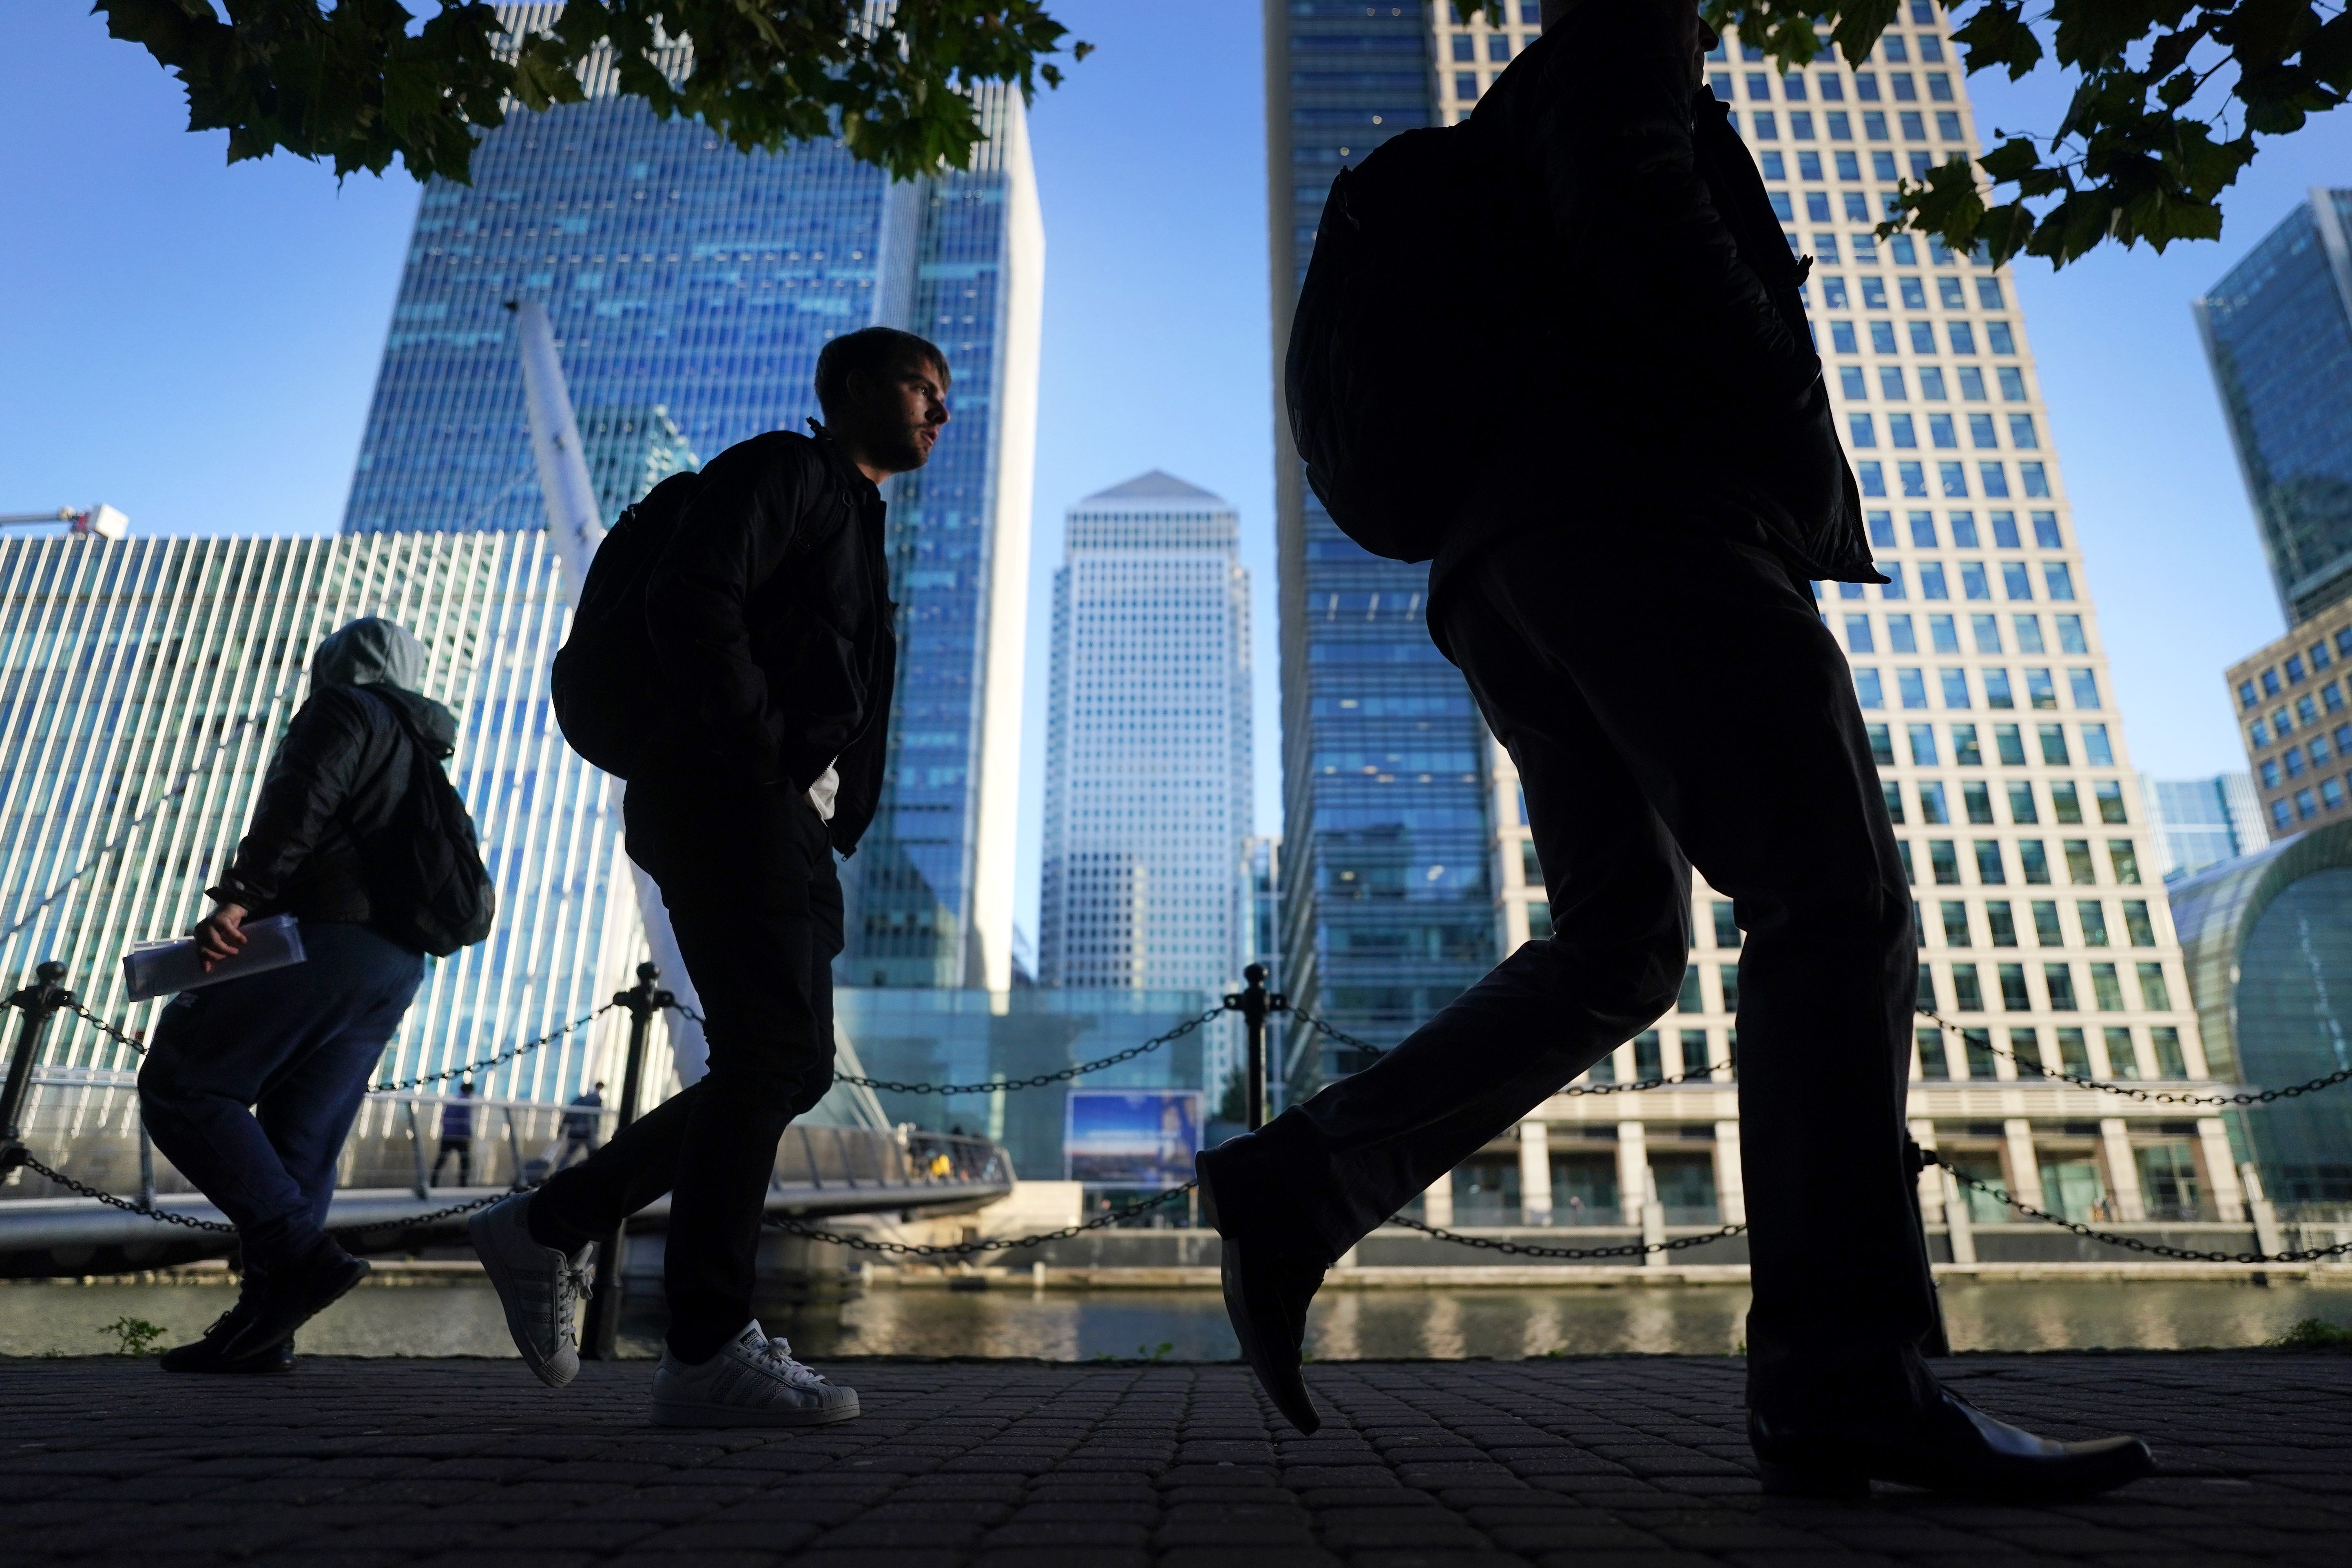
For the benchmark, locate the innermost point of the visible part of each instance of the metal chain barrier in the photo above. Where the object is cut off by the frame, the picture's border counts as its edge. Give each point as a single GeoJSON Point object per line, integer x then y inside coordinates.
{"type": "Point", "coordinates": [1528, 1249]}
{"type": "Point", "coordinates": [1569, 1091]}
{"type": "Point", "coordinates": [504, 1057]}
{"type": "Point", "coordinates": [190, 1222]}
{"type": "Point", "coordinates": [111, 1031]}
{"type": "Point", "coordinates": [994, 1244]}
{"type": "Point", "coordinates": [2154, 1097]}
{"type": "Point", "coordinates": [2131, 1243]}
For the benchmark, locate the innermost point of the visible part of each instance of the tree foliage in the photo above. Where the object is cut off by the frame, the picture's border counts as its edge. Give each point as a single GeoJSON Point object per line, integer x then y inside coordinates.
{"type": "Point", "coordinates": [2168, 96]}
{"type": "Point", "coordinates": [360, 82]}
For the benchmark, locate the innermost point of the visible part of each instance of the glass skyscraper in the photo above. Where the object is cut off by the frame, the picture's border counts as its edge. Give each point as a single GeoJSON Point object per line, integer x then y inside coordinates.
{"type": "Point", "coordinates": [1387, 902]}
{"type": "Point", "coordinates": [2278, 330]}
{"type": "Point", "coordinates": [1979, 669]}
{"type": "Point", "coordinates": [691, 287]}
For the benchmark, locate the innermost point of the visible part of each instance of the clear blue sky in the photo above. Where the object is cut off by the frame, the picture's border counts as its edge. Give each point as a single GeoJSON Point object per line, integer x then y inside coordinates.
{"type": "Point", "coordinates": [197, 343]}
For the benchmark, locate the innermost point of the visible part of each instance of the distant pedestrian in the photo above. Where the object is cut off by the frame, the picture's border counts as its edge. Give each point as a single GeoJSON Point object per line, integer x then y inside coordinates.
{"type": "Point", "coordinates": [581, 1121]}
{"type": "Point", "coordinates": [764, 744]}
{"type": "Point", "coordinates": [251, 1084]}
{"type": "Point", "coordinates": [457, 1136]}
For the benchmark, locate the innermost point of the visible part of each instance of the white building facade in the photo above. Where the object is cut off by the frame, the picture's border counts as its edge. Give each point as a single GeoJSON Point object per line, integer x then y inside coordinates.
{"type": "Point", "coordinates": [1148, 745]}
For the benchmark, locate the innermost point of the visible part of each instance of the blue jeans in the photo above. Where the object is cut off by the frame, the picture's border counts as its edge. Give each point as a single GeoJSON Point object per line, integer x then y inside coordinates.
{"type": "Point", "coordinates": [252, 1085]}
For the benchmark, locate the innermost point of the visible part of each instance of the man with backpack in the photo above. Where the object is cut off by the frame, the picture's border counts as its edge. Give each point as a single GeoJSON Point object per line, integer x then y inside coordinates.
{"type": "Point", "coordinates": [1622, 515]}
{"type": "Point", "coordinates": [733, 657]}
{"type": "Point", "coordinates": [251, 1084]}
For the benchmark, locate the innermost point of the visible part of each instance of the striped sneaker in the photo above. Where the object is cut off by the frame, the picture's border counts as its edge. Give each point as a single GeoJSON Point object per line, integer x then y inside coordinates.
{"type": "Point", "coordinates": [753, 1382]}
{"type": "Point", "coordinates": [540, 1287]}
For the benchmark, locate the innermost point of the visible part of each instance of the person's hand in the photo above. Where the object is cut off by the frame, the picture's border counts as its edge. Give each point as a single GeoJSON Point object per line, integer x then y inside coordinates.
{"type": "Point", "coordinates": [220, 934]}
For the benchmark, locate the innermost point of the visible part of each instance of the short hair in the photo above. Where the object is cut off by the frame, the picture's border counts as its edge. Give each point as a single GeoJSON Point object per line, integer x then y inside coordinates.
{"type": "Point", "coordinates": [875, 351]}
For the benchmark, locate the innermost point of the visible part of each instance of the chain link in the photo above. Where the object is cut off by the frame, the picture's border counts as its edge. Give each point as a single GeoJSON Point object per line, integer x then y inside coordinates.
{"type": "Point", "coordinates": [190, 1222]}
{"type": "Point", "coordinates": [504, 1057]}
{"type": "Point", "coordinates": [1528, 1249]}
{"type": "Point", "coordinates": [994, 1244]}
{"type": "Point", "coordinates": [1036, 1080]}
{"type": "Point", "coordinates": [2153, 1097]}
{"type": "Point", "coordinates": [2132, 1243]}
{"type": "Point", "coordinates": [111, 1031]}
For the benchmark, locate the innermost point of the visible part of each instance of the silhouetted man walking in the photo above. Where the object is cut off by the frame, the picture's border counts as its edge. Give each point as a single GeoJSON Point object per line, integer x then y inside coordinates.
{"type": "Point", "coordinates": [1623, 590]}
{"type": "Point", "coordinates": [771, 628]}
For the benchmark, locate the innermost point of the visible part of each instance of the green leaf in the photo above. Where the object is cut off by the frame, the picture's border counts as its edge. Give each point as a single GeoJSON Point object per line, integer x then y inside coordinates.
{"type": "Point", "coordinates": [1996, 35]}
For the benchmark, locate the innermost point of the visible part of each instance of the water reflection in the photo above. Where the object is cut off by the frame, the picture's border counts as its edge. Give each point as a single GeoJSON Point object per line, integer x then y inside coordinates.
{"type": "Point", "coordinates": [462, 1318]}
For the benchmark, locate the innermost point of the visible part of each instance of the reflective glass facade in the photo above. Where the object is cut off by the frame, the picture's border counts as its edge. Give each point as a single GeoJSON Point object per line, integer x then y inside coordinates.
{"type": "Point", "coordinates": [2278, 330]}
{"type": "Point", "coordinates": [691, 289]}
{"type": "Point", "coordinates": [1387, 906]}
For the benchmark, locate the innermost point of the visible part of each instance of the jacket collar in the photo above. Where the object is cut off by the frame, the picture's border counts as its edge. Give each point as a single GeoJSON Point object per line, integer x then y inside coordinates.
{"type": "Point", "coordinates": [864, 488]}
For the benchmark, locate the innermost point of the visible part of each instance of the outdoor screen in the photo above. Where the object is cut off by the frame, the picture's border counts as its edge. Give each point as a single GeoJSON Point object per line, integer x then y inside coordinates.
{"type": "Point", "coordinates": [1144, 1138]}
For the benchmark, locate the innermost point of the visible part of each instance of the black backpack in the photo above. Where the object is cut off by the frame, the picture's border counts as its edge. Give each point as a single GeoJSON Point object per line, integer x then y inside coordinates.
{"type": "Point", "coordinates": [1417, 302]}
{"type": "Point", "coordinates": [603, 680]}
{"type": "Point", "coordinates": [428, 884]}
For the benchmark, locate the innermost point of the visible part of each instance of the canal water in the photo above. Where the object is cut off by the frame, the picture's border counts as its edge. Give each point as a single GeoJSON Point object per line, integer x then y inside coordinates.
{"type": "Point", "coordinates": [461, 1318]}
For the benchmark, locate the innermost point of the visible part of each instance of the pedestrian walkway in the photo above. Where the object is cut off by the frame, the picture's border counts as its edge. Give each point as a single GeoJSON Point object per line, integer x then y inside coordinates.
{"type": "Point", "coordinates": [1632, 1462]}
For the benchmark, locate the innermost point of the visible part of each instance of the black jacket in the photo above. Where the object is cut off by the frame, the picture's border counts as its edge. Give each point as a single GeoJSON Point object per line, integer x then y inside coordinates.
{"type": "Point", "coordinates": [1678, 368]}
{"type": "Point", "coordinates": [773, 624]}
{"type": "Point", "coordinates": [334, 785]}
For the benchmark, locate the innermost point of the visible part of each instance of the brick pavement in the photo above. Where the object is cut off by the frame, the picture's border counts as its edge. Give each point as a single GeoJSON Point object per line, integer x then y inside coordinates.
{"type": "Point", "coordinates": [1603, 1463]}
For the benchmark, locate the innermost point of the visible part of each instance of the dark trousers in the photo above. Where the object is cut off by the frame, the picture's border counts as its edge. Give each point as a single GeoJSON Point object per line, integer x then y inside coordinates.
{"type": "Point", "coordinates": [461, 1150]}
{"type": "Point", "coordinates": [296, 1047]}
{"type": "Point", "coordinates": [1671, 698]}
{"type": "Point", "coordinates": [756, 906]}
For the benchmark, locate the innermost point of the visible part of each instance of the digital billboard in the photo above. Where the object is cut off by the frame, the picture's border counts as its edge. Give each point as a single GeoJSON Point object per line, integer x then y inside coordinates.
{"type": "Point", "coordinates": [1131, 1138]}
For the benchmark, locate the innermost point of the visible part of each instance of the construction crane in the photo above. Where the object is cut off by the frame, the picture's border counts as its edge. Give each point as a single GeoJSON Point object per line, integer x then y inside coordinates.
{"type": "Point", "coordinates": [100, 522]}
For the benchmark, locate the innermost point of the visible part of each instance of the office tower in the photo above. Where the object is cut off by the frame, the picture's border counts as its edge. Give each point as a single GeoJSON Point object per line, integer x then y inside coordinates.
{"type": "Point", "coordinates": [1979, 667]}
{"type": "Point", "coordinates": [691, 287]}
{"type": "Point", "coordinates": [2199, 823]}
{"type": "Point", "coordinates": [146, 684]}
{"type": "Point", "coordinates": [1148, 744]}
{"type": "Point", "coordinates": [2291, 716]}
{"type": "Point", "coordinates": [1387, 904]}
{"type": "Point", "coordinates": [2278, 330]}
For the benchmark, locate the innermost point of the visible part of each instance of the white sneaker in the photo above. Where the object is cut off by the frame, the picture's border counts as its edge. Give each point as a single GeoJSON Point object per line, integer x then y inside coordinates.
{"type": "Point", "coordinates": [754, 1382]}
{"type": "Point", "coordinates": [539, 1287]}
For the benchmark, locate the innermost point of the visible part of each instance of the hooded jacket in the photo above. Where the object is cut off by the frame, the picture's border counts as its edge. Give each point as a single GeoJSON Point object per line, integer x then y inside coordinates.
{"type": "Point", "coordinates": [337, 779]}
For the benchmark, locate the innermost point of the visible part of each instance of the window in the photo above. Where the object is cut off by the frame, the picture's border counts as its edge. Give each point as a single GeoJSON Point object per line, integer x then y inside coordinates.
{"type": "Point", "coordinates": [2046, 932]}
{"type": "Point", "coordinates": [2304, 806]}
{"type": "Point", "coordinates": [1977, 797]}
{"type": "Point", "coordinates": [2054, 742]}
{"type": "Point", "coordinates": [2020, 803]}
{"type": "Point", "coordinates": [1841, 337]}
{"type": "Point", "coordinates": [2025, 1046]}
{"type": "Point", "coordinates": [2096, 749]}
{"type": "Point", "coordinates": [1931, 580]}
{"type": "Point", "coordinates": [1940, 435]}
{"type": "Point", "coordinates": [1727, 925]}
{"type": "Point", "coordinates": [2063, 800]}
{"type": "Point", "coordinates": [1913, 685]}
{"type": "Point", "coordinates": [1985, 632]}
{"type": "Point", "coordinates": [1882, 337]}
{"type": "Point", "coordinates": [1943, 860]}
{"type": "Point", "coordinates": [2271, 780]}
{"type": "Point", "coordinates": [2280, 815]}
{"type": "Point", "coordinates": [2045, 530]}
{"type": "Point", "coordinates": [1956, 687]}
{"type": "Point", "coordinates": [2320, 658]}
{"type": "Point", "coordinates": [1900, 638]}
{"type": "Point", "coordinates": [1965, 750]}
{"type": "Point", "coordinates": [1857, 635]}
{"type": "Point", "coordinates": [1910, 875]}
{"type": "Point", "coordinates": [2125, 860]}
{"type": "Point", "coordinates": [1997, 334]}
{"type": "Point", "coordinates": [1955, 924]}
{"type": "Point", "coordinates": [2110, 793]}
{"type": "Point", "coordinates": [2002, 924]}
{"type": "Point", "coordinates": [2037, 485]}
{"type": "Point", "coordinates": [2106, 989]}
{"type": "Point", "coordinates": [2058, 979]}
{"type": "Point", "coordinates": [1973, 582]}
{"type": "Point", "coordinates": [1967, 995]}
{"type": "Point", "coordinates": [2039, 691]}
{"type": "Point", "coordinates": [1989, 863]}
{"type": "Point", "coordinates": [1962, 339]}
{"type": "Point", "coordinates": [1850, 384]}
{"type": "Point", "coordinates": [2169, 1061]}
{"type": "Point", "coordinates": [1997, 692]}
{"type": "Point", "coordinates": [2122, 1061]}
{"type": "Point", "coordinates": [1972, 387]}
{"type": "Point", "coordinates": [1466, 84]}
{"type": "Point", "coordinates": [2014, 999]}
{"type": "Point", "coordinates": [2330, 698]}
{"type": "Point", "coordinates": [1868, 690]}
{"type": "Point", "coordinates": [2294, 671]}
{"type": "Point", "coordinates": [1882, 746]}
{"type": "Point", "coordinates": [2014, 583]}
{"type": "Point", "coordinates": [1980, 431]}
{"type": "Point", "coordinates": [2070, 635]}
{"type": "Point", "coordinates": [2092, 915]}
{"type": "Point", "coordinates": [1943, 632]}
{"type": "Point", "coordinates": [1932, 807]}
{"type": "Point", "coordinates": [2318, 748]}
{"type": "Point", "coordinates": [1809, 165]}
{"type": "Point", "coordinates": [2331, 793]}
{"type": "Point", "coordinates": [1931, 1050]}
{"type": "Point", "coordinates": [1690, 1000]}
{"type": "Point", "coordinates": [1727, 976]}
{"type": "Point", "coordinates": [1923, 745]}
{"type": "Point", "coordinates": [1922, 337]}
{"type": "Point", "coordinates": [1894, 794]}
{"type": "Point", "coordinates": [1862, 429]}
{"type": "Point", "coordinates": [1499, 46]}
{"type": "Point", "coordinates": [1465, 47]}
{"type": "Point", "coordinates": [2079, 869]}
{"type": "Point", "coordinates": [2137, 922]}
{"type": "Point", "coordinates": [2084, 685]}
{"type": "Point", "coordinates": [1782, 208]}
{"type": "Point", "coordinates": [2009, 745]}
{"type": "Point", "coordinates": [1891, 570]}
{"type": "Point", "coordinates": [2271, 682]}
{"type": "Point", "coordinates": [2073, 1055]}
{"type": "Point", "coordinates": [1994, 478]}
{"type": "Point", "coordinates": [1914, 124]}
{"type": "Point", "coordinates": [1953, 477]}
{"type": "Point", "coordinates": [2305, 713]}
{"type": "Point", "coordinates": [2246, 698]}
{"type": "Point", "coordinates": [1899, 431]}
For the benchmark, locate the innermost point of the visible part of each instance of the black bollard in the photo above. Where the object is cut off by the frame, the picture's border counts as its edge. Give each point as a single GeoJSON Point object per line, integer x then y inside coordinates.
{"type": "Point", "coordinates": [1254, 1002]}
{"type": "Point", "coordinates": [600, 1337]}
{"type": "Point", "coordinates": [39, 1002]}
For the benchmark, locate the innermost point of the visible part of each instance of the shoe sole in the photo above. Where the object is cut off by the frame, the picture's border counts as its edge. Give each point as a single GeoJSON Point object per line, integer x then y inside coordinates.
{"type": "Point", "coordinates": [2092, 1475]}
{"type": "Point", "coordinates": [684, 1415]}
{"type": "Point", "coordinates": [245, 1367]}
{"type": "Point", "coordinates": [1237, 1311]}
{"type": "Point", "coordinates": [361, 1268]}
{"type": "Point", "coordinates": [502, 1279]}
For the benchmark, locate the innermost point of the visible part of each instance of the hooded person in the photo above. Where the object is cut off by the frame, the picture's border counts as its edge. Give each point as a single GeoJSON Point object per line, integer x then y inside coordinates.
{"type": "Point", "coordinates": [252, 1083]}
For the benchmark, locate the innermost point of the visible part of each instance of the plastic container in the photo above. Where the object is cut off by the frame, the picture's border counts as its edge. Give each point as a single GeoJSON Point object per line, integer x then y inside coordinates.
{"type": "Point", "coordinates": [165, 968]}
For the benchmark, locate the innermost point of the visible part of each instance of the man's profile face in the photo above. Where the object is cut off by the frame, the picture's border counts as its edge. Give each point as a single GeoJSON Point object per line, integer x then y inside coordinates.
{"type": "Point", "coordinates": [899, 413]}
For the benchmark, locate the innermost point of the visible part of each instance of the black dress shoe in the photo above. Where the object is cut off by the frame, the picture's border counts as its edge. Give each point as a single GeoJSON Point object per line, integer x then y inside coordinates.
{"type": "Point", "coordinates": [1269, 1278]}
{"type": "Point", "coordinates": [290, 1294]}
{"type": "Point", "coordinates": [1953, 1447]}
{"type": "Point", "coordinates": [211, 1352]}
